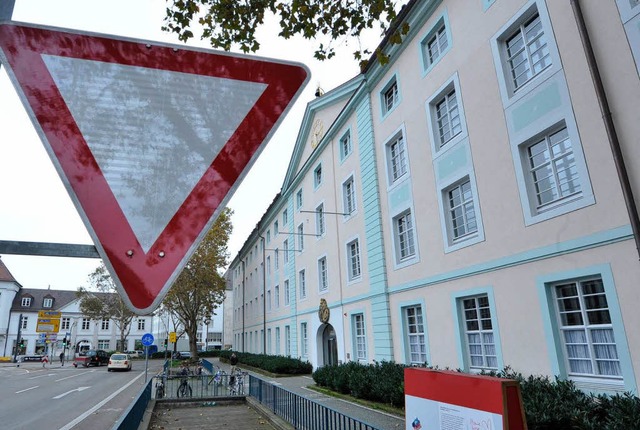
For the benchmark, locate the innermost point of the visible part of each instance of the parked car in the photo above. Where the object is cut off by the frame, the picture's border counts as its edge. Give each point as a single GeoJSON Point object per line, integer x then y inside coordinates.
{"type": "Point", "coordinates": [135, 354]}
{"type": "Point", "coordinates": [119, 361]}
{"type": "Point", "coordinates": [185, 355]}
{"type": "Point", "coordinates": [93, 357]}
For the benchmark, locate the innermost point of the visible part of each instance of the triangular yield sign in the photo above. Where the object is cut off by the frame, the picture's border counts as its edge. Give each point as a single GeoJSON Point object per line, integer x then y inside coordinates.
{"type": "Point", "coordinates": [150, 140]}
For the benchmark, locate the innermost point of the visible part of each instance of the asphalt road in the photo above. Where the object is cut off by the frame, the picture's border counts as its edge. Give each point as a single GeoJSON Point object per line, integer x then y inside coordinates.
{"type": "Point", "coordinates": [64, 397]}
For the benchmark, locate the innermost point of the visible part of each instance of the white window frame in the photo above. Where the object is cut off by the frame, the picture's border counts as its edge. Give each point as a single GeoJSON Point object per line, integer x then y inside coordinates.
{"type": "Point", "coordinates": [346, 145]}
{"type": "Point", "coordinates": [304, 339]}
{"type": "Point", "coordinates": [397, 158]}
{"type": "Point", "coordinates": [286, 293]}
{"type": "Point", "coordinates": [300, 237]}
{"type": "Point", "coordinates": [25, 302]}
{"type": "Point", "coordinates": [269, 300]}
{"type": "Point", "coordinates": [470, 226]}
{"type": "Point", "coordinates": [414, 324]}
{"type": "Point", "coordinates": [86, 324]}
{"type": "Point", "coordinates": [533, 213]}
{"type": "Point", "coordinates": [25, 322]}
{"type": "Point", "coordinates": [276, 296]}
{"type": "Point", "coordinates": [354, 266]}
{"type": "Point", "coordinates": [276, 259]}
{"type": "Point", "coordinates": [276, 229]}
{"type": "Point", "coordinates": [359, 337]}
{"type": "Point", "coordinates": [349, 197]}
{"type": "Point", "coordinates": [104, 324]}
{"type": "Point", "coordinates": [287, 340]}
{"type": "Point", "coordinates": [285, 250]}
{"type": "Point", "coordinates": [438, 145]}
{"type": "Point", "coordinates": [589, 344]}
{"type": "Point", "coordinates": [141, 324]}
{"type": "Point", "coordinates": [479, 336]}
{"type": "Point", "coordinates": [498, 46]}
{"type": "Point", "coordinates": [323, 274]}
{"type": "Point", "coordinates": [65, 323]}
{"type": "Point", "coordinates": [277, 351]}
{"type": "Point", "coordinates": [438, 32]}
{"type": "Point", "coordinates": [321, 225]}
{"type": "Point", "coordinates": [390, 96]}
{"type": "Point", "coordinates": [47, 302]}
{"type": "Point", "coordinates": [299, 199]}
{"type": "Point", "coordinates": [302, 283]}
{"type": "Point", "coordinates": [317, 176]}
{"type": "Point", "coordinates": [269, 265]}
{"type": "Point", "coordinates": [104, 344]}
{"type": "Point", "coordinates": [404, 232]}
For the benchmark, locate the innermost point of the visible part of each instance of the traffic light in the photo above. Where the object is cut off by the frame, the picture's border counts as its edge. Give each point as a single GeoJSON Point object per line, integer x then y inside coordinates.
{"type": "Point", "coordinates": [64, 342]}
{"type": "Point", "coordinates": [21, 343]}
{"type": "Point", "coordinates": [165, 342]}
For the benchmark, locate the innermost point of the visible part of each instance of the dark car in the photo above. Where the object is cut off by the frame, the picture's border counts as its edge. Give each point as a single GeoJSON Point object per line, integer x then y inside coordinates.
{"type": "Point", "coordinates": [96, 357]}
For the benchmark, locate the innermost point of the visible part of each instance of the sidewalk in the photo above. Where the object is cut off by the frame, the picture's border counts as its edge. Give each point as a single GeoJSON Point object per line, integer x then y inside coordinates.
{"type": "Point", "coordinates": [299, 384]}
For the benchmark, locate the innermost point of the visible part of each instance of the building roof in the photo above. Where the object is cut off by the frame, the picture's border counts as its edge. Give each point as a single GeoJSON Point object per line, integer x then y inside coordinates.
{"type": "Point", "coordinates": [60, 298]}
{"type": "Point", "coordinates": [5, 275]}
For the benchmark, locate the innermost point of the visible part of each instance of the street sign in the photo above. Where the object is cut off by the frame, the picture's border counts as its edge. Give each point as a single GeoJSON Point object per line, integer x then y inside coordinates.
{"type": "Point", "coordinates": [147, 339]}
{"type": "Point", "coordinates": [49, 314]}
{"type": "Point", "coordinates": [172, 337]}
{"type": "Point", "coordinates": [45, 325]}
{"type": "Point", "coordinates": [150, 140]}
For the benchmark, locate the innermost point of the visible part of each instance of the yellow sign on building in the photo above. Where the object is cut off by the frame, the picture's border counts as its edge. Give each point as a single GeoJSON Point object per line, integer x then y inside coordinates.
{"type": "Point", "coordinates": [172, 337]}
{"type": "Point", "coordinates": [50, 314]}
{"type": "Point", "coordinates": [48, 325]}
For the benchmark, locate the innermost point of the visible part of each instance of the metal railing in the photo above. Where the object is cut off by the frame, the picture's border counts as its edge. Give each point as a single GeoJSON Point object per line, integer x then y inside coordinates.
{"type": "Point", "coordinates": [210, 383]}
{"type": "Point", "coordinates": [300, 412]}
{"type": "Point", "coordinates": [131, 418]}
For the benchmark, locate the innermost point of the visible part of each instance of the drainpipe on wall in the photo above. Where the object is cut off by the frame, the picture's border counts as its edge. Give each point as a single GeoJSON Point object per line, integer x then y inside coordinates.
{"type": "Point", "coordinates": [610, 128]}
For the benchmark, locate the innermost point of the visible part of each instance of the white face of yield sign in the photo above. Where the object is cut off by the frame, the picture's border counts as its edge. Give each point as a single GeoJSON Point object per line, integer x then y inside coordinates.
{"type": "Point", "coordinates": [171, 126]}
{"type": "Point", "coordinates": [150, 140]}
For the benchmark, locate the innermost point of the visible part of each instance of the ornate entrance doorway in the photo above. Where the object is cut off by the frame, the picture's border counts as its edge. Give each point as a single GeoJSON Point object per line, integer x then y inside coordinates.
{"type": "Point", "coordinates": [329, 346]}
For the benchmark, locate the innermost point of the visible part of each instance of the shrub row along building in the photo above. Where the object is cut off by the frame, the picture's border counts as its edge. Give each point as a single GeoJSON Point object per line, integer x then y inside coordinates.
{"type": "Point", "coordinates": [469, 204]}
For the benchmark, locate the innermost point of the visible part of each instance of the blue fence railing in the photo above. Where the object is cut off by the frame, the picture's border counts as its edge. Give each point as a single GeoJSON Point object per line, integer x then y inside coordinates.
{"type": "Point", "coordinates": [132, 417]}
{"type": "Point", "coordinates": [300, 412]}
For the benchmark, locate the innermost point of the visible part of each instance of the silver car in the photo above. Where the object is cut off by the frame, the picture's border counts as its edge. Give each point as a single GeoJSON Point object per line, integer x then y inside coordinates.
{"type": "Point", "coordinates": [119, 361]}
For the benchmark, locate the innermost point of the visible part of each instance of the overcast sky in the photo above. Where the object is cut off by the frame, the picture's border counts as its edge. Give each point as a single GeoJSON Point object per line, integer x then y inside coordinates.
{"type": "Point", "coordinates": [34, 205]}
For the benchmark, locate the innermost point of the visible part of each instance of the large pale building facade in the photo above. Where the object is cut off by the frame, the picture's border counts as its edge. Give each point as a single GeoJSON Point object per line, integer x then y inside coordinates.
{"type": "Point", "coordinates": [469, 204]}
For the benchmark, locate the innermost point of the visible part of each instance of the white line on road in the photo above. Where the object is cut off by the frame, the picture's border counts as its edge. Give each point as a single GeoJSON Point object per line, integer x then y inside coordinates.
{"type": "Point", "coordinates": [73, 376]}
{"type": "Point", "coordinates": [27, 389]}
{"type": "Point", "coordinates": [42, 376]}
{"type": "Point", "coordinates": [71, 391]}
{"type": "Point", "coordinates": [99, 405]}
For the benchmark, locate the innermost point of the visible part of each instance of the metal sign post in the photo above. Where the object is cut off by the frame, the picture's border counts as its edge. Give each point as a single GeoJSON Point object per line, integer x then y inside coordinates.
{"type": "Point", "coordinates": [147, 341]}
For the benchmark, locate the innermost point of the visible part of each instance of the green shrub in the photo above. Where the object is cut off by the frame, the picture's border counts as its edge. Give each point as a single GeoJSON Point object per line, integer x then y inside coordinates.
{"type": "Point", "coordinates": [270, 363]}
{"type": "Point", "coordinates": [549, 404]}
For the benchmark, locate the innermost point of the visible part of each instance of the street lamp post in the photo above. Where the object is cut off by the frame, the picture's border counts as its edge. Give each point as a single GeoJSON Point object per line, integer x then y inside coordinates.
{"type": "Point", "coordinates": [207, 321]}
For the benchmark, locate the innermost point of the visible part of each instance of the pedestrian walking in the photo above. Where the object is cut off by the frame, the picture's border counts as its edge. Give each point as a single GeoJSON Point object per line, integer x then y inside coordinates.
{"type": "Point", "coordinates": [45, 360]}
{"type": "Point", "coordinates": [62, 358]}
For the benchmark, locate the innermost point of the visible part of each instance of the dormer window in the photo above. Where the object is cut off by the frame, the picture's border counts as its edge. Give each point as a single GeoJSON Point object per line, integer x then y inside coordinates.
{"type": "Point", "coordinates": [26, 302]}
{"type": "Point", "coordinates": [47, 302]}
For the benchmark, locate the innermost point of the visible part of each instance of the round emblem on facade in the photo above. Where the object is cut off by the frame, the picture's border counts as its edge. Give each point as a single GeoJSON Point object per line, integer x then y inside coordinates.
{"type": "Point", "coordinates": [317, 131]}
{"type": "Point", "coordinates": [323, 311]}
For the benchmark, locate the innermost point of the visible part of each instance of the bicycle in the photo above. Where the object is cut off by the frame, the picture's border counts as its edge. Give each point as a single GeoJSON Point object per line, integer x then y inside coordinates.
{"type": "Point", "coordinates": [184, 389]}
{"type": "Point", "coordinates": [160, 387]}
{"type": "Point", "coordinates": [236, 383]}
{"type": "Point", "coordinates": [218, 377]}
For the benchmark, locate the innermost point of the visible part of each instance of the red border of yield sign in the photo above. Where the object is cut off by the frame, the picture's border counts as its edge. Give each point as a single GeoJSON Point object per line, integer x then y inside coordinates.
{"type": "Point", "coordinates": [143, 277]}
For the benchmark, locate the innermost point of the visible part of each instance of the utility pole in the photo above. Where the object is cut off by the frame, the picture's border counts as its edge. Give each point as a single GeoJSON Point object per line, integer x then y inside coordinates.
{"type": "Point", "coordinates": [15, 350]}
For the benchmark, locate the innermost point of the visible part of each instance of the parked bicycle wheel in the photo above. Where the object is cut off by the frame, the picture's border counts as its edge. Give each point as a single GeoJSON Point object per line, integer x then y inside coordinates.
{"type": "Point", "coordinates": [184, 390]}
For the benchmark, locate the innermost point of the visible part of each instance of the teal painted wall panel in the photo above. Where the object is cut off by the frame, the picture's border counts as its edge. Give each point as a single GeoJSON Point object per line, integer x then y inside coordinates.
{"type": "Point", "coordinates": [451, 162]}
{"type": "Point", "coordinates": [383, 344]}
{"type": "Point", "coordinates": [539, 105]}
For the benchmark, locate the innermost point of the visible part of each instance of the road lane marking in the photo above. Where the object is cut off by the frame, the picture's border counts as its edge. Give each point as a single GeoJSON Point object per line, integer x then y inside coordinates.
{"type": "Point", "coordinates": [71, 391]}
{"type": "Point", "coordinates": [99, 405]}
{"type": "Point", "coordinates": [43, 376]}
{"type": "Point", "coordinates": [27, 389]}
{"type": "Point", "coordinates": [73, 376]}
